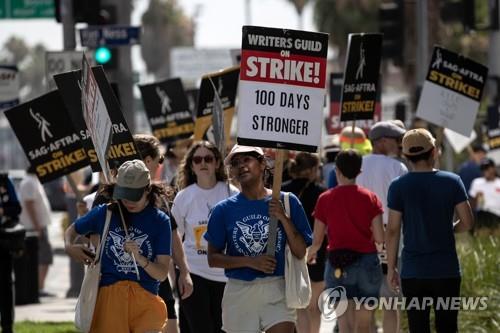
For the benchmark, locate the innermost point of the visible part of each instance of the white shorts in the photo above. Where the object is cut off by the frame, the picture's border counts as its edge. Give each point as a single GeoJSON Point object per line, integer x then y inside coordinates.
{"type": "Point", "coordinates": [255, 306]}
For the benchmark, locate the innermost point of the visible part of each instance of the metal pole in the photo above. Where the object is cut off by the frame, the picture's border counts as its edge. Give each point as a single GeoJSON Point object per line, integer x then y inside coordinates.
{"type": "Point", "coordinates": [123, 74]}
{"type": "Point", "coordinates": [68, 23]}
{"type": "Point", "coordinates": [422, 42]}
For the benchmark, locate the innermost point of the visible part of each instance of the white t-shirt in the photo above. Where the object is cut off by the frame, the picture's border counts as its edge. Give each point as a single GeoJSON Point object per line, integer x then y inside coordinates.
{"type": "Point", "coordinates": [377, 173]}
{"type": "Point", "coordinates": [31, 189]}
{"type": "Point", "coordinates": [191, 208]}
{"type": "Point", "coordinates": [491, 194]}
{"type": "Point", "coordinates": [89, 199]}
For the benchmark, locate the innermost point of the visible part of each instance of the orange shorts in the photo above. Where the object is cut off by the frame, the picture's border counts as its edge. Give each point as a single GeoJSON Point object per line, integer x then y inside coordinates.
{"type": "Point", "coordinates": [125, 307]}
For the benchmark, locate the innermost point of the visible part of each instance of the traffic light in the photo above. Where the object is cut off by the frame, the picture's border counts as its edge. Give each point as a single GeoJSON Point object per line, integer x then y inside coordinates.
{"type": "Point", "coordinates": [391, 23]}
{"type": "Point", "coordinates": [86, 11]}
{"type": "Point", "coordinates": [104, 55]}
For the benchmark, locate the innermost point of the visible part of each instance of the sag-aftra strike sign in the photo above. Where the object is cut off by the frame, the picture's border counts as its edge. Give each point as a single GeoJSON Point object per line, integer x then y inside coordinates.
{"type": "Point", "coordinates": [122, 147]}
{"type": "Point", "coordinates": [167, 108]}
{"type": "Point", "coordinates": [44, 130]}
{"type": "Point", "coordinates": [282, 88]}
{"type": "Point", "coordinates": [452, 91]}
{"type": "Point", "coordinates": [361, 81]}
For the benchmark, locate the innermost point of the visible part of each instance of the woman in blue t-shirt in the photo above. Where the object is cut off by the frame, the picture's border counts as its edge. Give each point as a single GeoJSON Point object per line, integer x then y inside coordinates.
{"type": "Point", "coordinates": [128, 300]}
{"type": "Point", "coordinates": [238, 230]}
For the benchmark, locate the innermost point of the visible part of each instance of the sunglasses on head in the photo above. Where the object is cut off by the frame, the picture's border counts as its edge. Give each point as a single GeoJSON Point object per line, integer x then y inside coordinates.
{"type": "Point", "coordinates": [207, 158]}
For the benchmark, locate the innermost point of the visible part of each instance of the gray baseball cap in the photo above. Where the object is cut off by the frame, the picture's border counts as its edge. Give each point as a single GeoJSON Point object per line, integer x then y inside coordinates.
{"type": "Point", "coordinates": [385, 129]}
{"type": "Point", "coordinates": [132, 180]}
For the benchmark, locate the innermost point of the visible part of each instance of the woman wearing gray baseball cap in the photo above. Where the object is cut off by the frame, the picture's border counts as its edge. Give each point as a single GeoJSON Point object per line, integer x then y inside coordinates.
{"type": "Point", "coordinates": [127, 301]}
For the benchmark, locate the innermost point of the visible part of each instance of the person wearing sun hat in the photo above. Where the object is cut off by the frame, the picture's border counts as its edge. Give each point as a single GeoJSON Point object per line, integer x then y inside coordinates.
{"type": "Point", "coordinates": [128, 301]}
{"type": "Point", "coordinates": [423, 203]}
{"type": "Point", "coordinates": [237, 236]}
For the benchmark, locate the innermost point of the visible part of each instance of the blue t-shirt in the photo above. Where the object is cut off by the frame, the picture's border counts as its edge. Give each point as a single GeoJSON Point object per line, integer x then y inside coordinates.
{"type": "Point", "coordinates": [332, 178]}
{"type": "Point", "coordinates": [241, 226]}
{"type": "Point", "coordinates": [151, 230]}
{"type": "Point", "coordinates": [427, 202]}
{"type": "Point", "coordinates": [469, 171]}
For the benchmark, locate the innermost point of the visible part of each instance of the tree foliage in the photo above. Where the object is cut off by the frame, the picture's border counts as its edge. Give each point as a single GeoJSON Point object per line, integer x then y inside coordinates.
{"type": "Point", "coordinates": [471, 44]}
{"type": "Point", "coordinates": [341, 17]}
{"type": "Point", "coordinates": [164, 26]}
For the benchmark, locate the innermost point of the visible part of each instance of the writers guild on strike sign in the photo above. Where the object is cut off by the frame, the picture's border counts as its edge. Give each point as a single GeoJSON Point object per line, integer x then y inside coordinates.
{"type": "Point", "coordinates": [282, 85]}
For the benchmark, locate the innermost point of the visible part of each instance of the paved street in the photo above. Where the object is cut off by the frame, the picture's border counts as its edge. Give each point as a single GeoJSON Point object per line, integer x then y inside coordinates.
{"type": "Point", "coordinates": [60, 308]}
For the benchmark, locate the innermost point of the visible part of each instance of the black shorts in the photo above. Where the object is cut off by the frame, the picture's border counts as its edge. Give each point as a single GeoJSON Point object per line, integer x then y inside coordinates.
{"type": "Point", "coordinates": [165, 292]}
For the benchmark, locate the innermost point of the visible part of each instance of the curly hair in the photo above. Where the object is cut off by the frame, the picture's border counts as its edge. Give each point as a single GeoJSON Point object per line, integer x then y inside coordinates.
{"type": "Point", "coordinates": [186, 176]}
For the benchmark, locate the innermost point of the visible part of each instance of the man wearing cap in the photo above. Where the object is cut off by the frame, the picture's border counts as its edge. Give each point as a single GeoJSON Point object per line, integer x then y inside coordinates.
{"type": "Point", "coordinates": [377, 172]}
{"type": "Point", "coordinates": [485, 194]}
{"type": "Point", "coordinates": [424, 202]}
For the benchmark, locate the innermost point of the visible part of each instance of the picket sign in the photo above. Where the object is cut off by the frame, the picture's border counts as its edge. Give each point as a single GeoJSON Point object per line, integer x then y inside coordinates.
{"type": "Point", "coordinates": [277, 180]}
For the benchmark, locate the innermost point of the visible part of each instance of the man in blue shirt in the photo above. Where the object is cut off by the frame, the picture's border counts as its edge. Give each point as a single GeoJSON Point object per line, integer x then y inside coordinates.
{"type": "Point", "coordinates": [423, 202]}
{"type": "Point", "coordinates": [470, 170]}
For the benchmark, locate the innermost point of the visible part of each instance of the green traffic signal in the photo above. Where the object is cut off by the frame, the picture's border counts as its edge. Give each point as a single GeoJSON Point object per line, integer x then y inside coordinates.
{"type": "Point", "coordinates": [102, 55]}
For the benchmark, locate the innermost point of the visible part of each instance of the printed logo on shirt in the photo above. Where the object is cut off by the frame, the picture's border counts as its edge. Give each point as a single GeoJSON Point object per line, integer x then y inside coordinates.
{"type": "Point", "coordinates": [198, 233]}
{"type": "Point", "coordinates": [121, 259]}
{"type": "Point", "coordinates": [251, 234]}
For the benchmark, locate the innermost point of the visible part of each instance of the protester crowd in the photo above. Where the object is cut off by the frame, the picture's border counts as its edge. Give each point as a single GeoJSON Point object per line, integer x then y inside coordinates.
{"type": "Point", "coordinates": [384, 228]}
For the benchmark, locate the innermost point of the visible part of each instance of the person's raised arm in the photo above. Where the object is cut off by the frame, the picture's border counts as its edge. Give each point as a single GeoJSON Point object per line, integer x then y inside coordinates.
{"type": "Point", "coordinates": [157, 269]}
{"type": "Point", "coordinates": [78, 252]}
{"type": "Point", "coordinates": [296, 242]}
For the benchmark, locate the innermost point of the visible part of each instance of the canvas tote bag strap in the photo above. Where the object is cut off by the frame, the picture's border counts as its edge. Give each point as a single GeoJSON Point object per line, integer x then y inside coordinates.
{"type": "Point", "coordinates": [104, 234]}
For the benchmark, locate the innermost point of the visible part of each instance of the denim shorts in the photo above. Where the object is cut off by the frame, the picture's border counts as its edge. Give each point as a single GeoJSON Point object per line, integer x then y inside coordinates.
{"type": "Point", "coordinates": [360, 279]}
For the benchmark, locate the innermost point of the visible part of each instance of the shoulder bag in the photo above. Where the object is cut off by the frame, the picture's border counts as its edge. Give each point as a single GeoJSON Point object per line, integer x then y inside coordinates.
{"type": "Point", "coordinates": [85, 305]}
{"type": "Point", "coordinates": [297, 282]}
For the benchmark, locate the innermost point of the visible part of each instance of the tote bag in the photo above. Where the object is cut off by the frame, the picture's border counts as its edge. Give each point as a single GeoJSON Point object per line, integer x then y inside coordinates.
{"type": "Point", "coordinates": [85, 305]}
{"type": "Point", "coordinates": [297, 283]}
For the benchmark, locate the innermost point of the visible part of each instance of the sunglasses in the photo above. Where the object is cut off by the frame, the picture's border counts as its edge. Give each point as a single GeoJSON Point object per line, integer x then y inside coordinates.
{"type": "Point", "coordinates": [236, 162]}
{"type": "Point", "coordinates": [199, 159]}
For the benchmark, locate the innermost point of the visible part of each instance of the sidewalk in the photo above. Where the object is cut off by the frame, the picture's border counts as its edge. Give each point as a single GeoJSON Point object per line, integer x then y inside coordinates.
{"type": "Point", "coordinates": [56, 308]}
